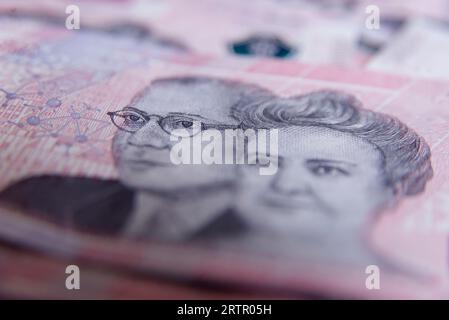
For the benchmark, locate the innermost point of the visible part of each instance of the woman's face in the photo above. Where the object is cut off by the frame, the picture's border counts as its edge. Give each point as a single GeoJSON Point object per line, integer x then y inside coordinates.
{"type": "Point", "coordinates": [327, 181]}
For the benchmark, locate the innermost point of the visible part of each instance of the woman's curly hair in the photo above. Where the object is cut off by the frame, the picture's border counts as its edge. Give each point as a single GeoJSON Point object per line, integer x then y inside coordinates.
{"type": "Point", "coordinates": [406, 155]}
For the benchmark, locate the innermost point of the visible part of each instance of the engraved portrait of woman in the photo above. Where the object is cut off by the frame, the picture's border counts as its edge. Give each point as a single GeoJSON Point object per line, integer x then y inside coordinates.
{"type": "Point", "coordinates": [340, 166]}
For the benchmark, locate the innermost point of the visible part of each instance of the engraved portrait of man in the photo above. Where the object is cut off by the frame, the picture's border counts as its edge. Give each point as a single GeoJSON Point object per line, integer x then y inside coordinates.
{"type": "Point", "coordinates": [150, 188]}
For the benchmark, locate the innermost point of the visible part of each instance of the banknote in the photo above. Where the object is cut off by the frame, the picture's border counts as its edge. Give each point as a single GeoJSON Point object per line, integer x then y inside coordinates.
{"type": "Point", "coordinates": [357, 205]}
{"type": "Point", "coordinates": [26, 275]}
{"type": "Point", "coordinates": [308, 31]}
{"type": "Point", "coordinates": [419, 50]}
{"type": "Point", "coordinates": [433, 9]}
{"type": "Point", "coordinates": [334, 32]}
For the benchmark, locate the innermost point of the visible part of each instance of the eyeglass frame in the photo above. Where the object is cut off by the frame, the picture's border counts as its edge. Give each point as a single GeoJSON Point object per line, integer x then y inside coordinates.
{"type": "Point", "coordinates": [147, 117]}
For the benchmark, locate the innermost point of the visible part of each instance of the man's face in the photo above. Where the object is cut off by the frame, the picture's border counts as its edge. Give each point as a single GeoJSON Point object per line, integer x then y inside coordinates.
{"type": "Point", "coordinates": [143, 156]}
{"type": "Point", "coordinates": [327, 181]}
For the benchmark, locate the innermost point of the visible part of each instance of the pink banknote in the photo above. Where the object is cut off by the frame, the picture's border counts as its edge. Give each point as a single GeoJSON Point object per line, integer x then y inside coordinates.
{"type": "Point", "coordinates": [43, 281]}
{"type": "Point", "coordinates": [306, 31]}
{"type": "Point", "coordinates": [358, 206]}
{"type": "Point", "coordinates": [420, 49]}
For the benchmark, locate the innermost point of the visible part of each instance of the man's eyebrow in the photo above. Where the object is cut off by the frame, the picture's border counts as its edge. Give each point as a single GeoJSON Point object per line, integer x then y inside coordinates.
{"type": "Point", "coordinates": [331, 162]}
{"type": "Point", "coordinates": [174, 114]}
{"type": "Point", "coordinates": [170, 114]}
{"type": "Point", "coordinates": [187, 114]}
{"type": "Point", "coordinates": [135, 109]}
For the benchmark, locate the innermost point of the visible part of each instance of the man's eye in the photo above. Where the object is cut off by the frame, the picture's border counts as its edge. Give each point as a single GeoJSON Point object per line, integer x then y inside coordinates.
{"type": "Point", "coordinates": [328, 171]}
{"type": "Point", "coordinates": [131, 117]}
{"type": "Point", "coordinates": [134, 118]}
{"type": "Point", "coordinates": [179, 124]}
{"type": "Point", "coordinates": [132, 121]}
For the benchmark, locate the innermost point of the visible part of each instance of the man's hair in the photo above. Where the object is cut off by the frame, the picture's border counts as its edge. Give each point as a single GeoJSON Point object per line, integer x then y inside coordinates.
{"type": "Point", "coordinates": [248, 94]}
{"type": "Point", "coordinates": [406, 155]}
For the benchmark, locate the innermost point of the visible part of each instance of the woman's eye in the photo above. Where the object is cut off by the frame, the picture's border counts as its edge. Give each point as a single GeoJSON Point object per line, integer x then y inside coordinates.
{"type": "Point", "coordinates": [261, 160]}
{"type": "Point", "coordinates": [187, 124]}
{"type": "Point", "coordinates": [328, 171]}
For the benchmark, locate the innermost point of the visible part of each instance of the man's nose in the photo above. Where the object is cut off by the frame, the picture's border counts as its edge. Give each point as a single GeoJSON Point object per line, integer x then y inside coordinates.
{"type": "Point", "coordinates": [290, 181]}
{"type": "Point", "coordinates": [150, 135]}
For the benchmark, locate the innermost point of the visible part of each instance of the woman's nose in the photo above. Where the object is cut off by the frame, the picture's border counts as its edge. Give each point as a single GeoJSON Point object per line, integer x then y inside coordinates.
{"type": "Point", "coordinates": [290, 181]}
{"type": "Point", "coordinates": [150, 135]}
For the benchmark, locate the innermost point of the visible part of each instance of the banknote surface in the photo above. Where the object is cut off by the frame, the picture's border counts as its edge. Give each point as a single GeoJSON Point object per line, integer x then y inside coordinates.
{"type": "Point", "coordinates": [44, 280]}
{"type": "Point", "coordinates": [419, 50]}
{"type": "Point", "coordinates": [75, 185]}
{"type": "Point", "coordinates": [307, 31]}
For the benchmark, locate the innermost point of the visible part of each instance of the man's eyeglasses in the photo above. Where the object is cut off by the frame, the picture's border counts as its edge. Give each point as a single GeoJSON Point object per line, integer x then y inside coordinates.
{"type": "Point", "coordinates": [131, 120]}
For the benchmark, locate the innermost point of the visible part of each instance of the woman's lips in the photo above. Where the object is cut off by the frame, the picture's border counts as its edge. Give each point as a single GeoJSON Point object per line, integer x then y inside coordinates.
{"type": "Point", "coordinates": [286, 202]}
{"type": "Point", "coordinates": [146, 163]}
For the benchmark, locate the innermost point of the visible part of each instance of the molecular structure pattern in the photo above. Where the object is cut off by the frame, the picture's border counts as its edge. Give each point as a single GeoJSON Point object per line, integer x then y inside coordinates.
{"type": "Point", "coordinates": [37, 100]}
{"type": "Point", "coordinates": [75, 128]}
{"type": "Point", "coordinates": [20, 93]}
{"type": "Point", "coordinates": [35, 84]}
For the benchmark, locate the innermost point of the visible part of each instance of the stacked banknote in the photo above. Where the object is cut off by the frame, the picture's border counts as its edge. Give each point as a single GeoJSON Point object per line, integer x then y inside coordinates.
{"type": "Point", "coordinates": [347, 99]}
